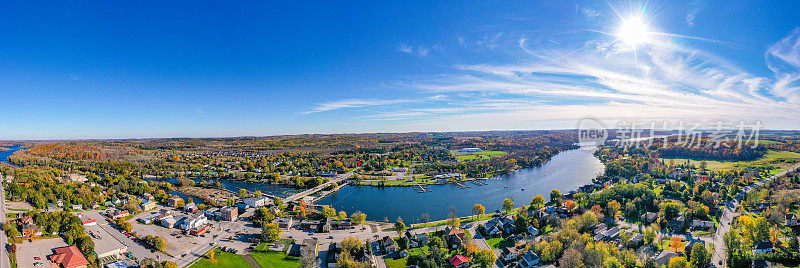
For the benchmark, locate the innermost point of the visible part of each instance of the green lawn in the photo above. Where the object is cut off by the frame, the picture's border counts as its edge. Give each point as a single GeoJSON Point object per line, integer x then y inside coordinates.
{"type": "Point", "coordinates": [223, 259]}
{"type": "Point", "coordinates": [275, 259]}
{"type": "Point", "coordinates": [480, 155]}
{"type": "Point", "coordinates": [490, 153]}
{"type": "Point", "coordinates": [720, 165]}
{"type": "Point", "coordinates": [398, 263]}
{"type": "Point", "coordinates": [499, 242]}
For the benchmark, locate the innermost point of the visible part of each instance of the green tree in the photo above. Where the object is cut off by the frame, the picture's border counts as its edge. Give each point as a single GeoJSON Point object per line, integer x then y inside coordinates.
{"type": "Point", "coordinates": [277, 201]}
{"type": "Point", "coordinates": [508, 204]}
{"type": "Point", "coordinates": [555, 197]}
{"type": "Point", "coordinates": [537, 202]}
{"type": "Point", "coordinates": [699, 255]}
{"type": "Point", "coordinates": [328, 212]}
{"type": "Point", "coordinates": [210, 254]}
{"type": "Point", "coordinates": [230, 202]}
{"type": "Point", "coordinates": [341, 216]}
{"type": "Point", "coordinates": [478, 209]}
{"type": "Point", "coordinates": [270, 232]}
{"type": "Point", "coordinates": [358, 217]}
{"type": "Point", "coordinates": [399, 227]}
{"type": "Point", "coordinates": [485, 258]}
{"type": "Point", "coordinates": [242, 193]}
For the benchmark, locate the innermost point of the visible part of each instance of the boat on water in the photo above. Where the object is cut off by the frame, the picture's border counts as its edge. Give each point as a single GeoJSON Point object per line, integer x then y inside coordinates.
{"type": "Point", "coordinates": [523, 189]}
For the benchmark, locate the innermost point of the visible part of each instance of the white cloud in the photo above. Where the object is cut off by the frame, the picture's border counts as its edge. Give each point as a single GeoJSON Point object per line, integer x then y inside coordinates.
{"type": "Point", "coordinates": [661, 81]}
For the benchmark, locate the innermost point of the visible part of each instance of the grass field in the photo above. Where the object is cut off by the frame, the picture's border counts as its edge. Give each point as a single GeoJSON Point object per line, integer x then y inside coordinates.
{"type": "Point", "coordinates": [223, 259]}
{"type": "Point", "coordinates": [396, 263]}
{"type": "Point", "coordinates": [499, 242]}
{"type": "Point", "coordinates": [720, 165]}
{"type": "Point", "coordinates": [480, 155]}
{"type": "Point", "coordinates": [275, 259]}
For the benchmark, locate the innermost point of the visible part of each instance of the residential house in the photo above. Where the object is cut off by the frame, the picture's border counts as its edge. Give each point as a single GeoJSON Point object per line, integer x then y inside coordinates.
{"type": "Point", "coordinates": [388, 244]}
{"type": "Point", "coordinates": [762, 247]}
{"type": "Point", "coordinates": [663, 258]}
{"type": "Point", "coordinates": [792, 220]}
{"type": "Point", "coordinates": [459, 261]}
{"type": "Point", "coordinates": [455, 237]}
{"type": "Point", "coordinates": [529, 260]}
{"type": "Point", "coordinates": [77, 207]}
{"type": "Point", "coordinates": [649, 218]}
{"type": "Point", "coordinates": [148, 205]}
{"type": "Point", "coordinates": [148, 196]}
{"type": "Point", "coordinates": [533, 231]}
{"type": "Point", "coordinates": [509, 253]}
{"type": "Point", "coordinates": [146, 220]}
{"type": "Point", "coordinates": [676, 225]}
{"type": "Point", "coordinates": [31, 230]}
{"type": "Point", "coordinates": [68, 257]}
{"type": "Point", "coordinates": [417, 240]}
{"type": "Point", "coordinates": [702, 225]}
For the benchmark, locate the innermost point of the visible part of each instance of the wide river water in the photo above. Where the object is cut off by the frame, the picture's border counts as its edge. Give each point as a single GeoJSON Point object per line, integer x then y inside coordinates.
{"type": "Point", "coordinates": [566, 171]}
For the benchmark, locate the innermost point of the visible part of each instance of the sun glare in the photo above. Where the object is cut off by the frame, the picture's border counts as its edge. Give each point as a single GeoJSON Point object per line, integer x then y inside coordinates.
{"type": "Point", "coordinates": [633, 31]}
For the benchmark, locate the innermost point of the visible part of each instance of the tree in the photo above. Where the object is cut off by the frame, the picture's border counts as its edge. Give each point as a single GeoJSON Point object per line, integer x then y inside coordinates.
{"type": "Point", "coordinates": [612, 209]}
{"type": "Point", "coordinates": [699, 255]}
{"type": "Point", "coordinates": [425, 218]}
{"type": "Point", "coordinates": [436, 242]}
{"type": "Point", "coordinates": [351, 245]}
{"type": "Point", "coordinates": [358, 217]}
{"type": "Point", "coordinates": [258, 193]}
{"type": "Point", "coordinates": [675, 244]}
{"type": "Point", "coordinates": [270, 232]}
{"type": "Point", "coordinates": [210, 254]}
{"type": "Point", "coordinates": [127, 226]}
{"type": "Point", "coordinates": [678, 262]}
{"type": "Point", "coordinates": [537, 202]}
{"type": "Point", "coordinates": [555, 197]}
{"type": "Point", "coordinates": [242, 193]}
{"type": "Point", "coordinates": [508, 204]}
{"type": "Point", "coordinates": [478, 209]}
{"type": "Point", "coordinates": [571, 258]}
{"type": "Point", "coordinates": [168, 264]}
{"type": "Point", "coordinates": [454, 222]}
{"type": "Point", "coordinates": [399, 227]}
{"type": "Point", "coordinates": [230, 202]}
{"type": "Point", "coordinates": [277, 201]}
{"type": "Point", "coordinates": [650, 234]}
{"type": "Point", "coordinates": [328, 212]}
{"type": "Point", "coordinates": [342, 215]}
{"type": "Point", "coordinates": [485, 258]}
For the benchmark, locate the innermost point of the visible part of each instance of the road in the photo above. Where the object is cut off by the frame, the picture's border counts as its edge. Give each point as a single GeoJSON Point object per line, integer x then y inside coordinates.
{"type": "Point", "coordinates": [718, 258]}
{"type": "Point", "coordinates": [220, 229]}
{"type": "Point", "coordinates": [311, 191]}
{"type": "Point", "coordinates": [4, 260]}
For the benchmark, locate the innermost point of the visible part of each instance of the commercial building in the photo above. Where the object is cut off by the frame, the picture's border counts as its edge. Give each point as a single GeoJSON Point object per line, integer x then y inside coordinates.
{"type": "Point", "coordinates": [106, 246]}
{"type": "Point", "coordinates": [195, 221]}
{"type": "Point", "coordinates": [229, 213]}
{"type": "Point", "coordinates": [255, 202]}
{"type": "Point", "coordinates": [68, 257]}
{"type": "Point", "coordinates": [148, 205]}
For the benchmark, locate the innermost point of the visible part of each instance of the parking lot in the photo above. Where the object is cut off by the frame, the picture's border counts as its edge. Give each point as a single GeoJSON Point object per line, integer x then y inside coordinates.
{"type": "Point", "coordinates": [28, 251]}
{"type": "Point", "coordinates": [138, 250]}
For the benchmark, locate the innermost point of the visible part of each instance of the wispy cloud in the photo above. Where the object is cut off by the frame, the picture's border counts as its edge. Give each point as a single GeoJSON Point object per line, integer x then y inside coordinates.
{"type": "Point", "coordinates": [353, 103]}
{"type": "Point", "coordinates": [553, 86]}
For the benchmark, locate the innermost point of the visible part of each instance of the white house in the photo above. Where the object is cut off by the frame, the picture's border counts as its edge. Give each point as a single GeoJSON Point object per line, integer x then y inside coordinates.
{"type": "Point", "coordinates": [195, 221]}
{"type": "Point", "coordinates": [255, 202]}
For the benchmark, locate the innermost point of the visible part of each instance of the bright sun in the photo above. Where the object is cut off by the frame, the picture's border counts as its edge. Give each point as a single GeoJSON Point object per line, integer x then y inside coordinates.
{"type": "Point", "coordinates": [633, 31]}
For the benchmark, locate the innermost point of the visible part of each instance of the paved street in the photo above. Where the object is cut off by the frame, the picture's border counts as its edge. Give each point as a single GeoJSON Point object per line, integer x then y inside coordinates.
{"type": "Point", "coordinates": [4, 260]}
{"type": "Point", "coordinates": [718, 258]}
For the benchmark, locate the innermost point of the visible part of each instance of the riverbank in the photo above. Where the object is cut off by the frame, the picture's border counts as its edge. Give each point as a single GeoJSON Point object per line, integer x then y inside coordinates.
{"type": "Point", "coordinates": [566, 171]}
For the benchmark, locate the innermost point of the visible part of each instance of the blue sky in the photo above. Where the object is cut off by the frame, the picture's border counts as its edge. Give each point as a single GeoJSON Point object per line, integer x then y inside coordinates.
{"type": "Point", "coordinates": [79, 69]}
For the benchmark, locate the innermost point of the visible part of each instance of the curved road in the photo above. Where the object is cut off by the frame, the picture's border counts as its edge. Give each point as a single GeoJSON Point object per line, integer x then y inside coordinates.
{"type": "Point", "coordinates": [4, 260]}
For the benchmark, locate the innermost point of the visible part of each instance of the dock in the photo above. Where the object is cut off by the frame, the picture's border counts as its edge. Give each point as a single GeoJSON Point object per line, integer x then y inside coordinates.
{"type": "Point", "coordinates": [476, 182]}
{"type": "Point", "coordinates": [460, 185]}
{"type": "Point", "coordinates": [422, 189]}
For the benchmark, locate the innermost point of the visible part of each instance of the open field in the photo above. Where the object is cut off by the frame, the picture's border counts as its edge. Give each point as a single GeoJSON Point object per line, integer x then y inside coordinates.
{"type": "Point", "coordinates": [480, 155]}
{"type": "Point", "coordinates": [222, 259]}
{"type": "Point", "coordinates": [721, 165]}
{"type": "Point", "coordinates": [275, 259]}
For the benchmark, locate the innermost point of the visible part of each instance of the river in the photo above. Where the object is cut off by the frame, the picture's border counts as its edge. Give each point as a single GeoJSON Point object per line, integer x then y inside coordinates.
{"type": "Point", "coordinates": [4, 155]}
{"type": "Point", "coordinates": [566, 171]}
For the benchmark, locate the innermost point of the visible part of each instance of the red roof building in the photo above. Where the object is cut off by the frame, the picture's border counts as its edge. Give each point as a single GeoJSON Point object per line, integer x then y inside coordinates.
{"type": "Point", "coordinates": [89, 222]}
{"type": "Point", "coordinates": [459, 261]}
{"type": "Point", "coordinates": [69, 257]}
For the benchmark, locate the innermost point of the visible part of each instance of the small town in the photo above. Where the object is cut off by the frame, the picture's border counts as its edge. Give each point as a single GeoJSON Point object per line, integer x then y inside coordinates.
{"type": "Point", "coordinates": [400, 134]}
